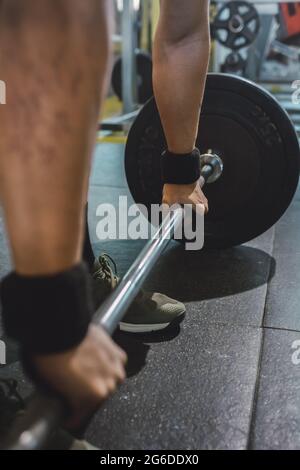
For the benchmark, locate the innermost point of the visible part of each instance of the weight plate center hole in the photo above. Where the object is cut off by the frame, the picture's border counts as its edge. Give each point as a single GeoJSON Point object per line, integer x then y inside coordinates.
{"type": "Point", "coordinates": [236, 24]}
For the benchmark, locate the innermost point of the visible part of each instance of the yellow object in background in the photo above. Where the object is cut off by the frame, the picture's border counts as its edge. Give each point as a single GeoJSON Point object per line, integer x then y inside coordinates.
{"type": "Point", "coordinates": [146, 18]}
{"type": "Point", "coordinates": [113, 138]}
{"type": "Point", "coordinates": [112, 106]}
{"type": "Point", "coordinates": [155, 16]}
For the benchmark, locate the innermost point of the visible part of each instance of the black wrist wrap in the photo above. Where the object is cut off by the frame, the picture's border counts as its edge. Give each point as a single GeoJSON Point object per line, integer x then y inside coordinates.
{"type": "Point", "coordinates": [47, 314]}
{"type": "Point", "coordinates": [180, 168]}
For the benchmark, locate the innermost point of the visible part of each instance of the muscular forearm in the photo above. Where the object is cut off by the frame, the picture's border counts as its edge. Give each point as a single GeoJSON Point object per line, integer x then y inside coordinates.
{"type": "Point", "coordinates": [181, 54]}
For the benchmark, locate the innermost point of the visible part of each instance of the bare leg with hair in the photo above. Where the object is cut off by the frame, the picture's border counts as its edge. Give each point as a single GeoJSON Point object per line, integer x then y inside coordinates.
{"type": "Point", "coordinates": [181, 54]}
{"type": "Point", "coordinates": [54, 58]}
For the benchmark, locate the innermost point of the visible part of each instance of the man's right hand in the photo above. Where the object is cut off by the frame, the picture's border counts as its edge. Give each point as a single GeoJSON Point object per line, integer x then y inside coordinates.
{"type": "Point", "coordinates": [85, 375]}
{"type": "Point", "coordinates": [185, 194]}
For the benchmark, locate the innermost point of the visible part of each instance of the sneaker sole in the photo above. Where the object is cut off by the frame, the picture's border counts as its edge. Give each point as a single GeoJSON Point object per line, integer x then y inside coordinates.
{"type": "Point", "coordinates": [140, 328]}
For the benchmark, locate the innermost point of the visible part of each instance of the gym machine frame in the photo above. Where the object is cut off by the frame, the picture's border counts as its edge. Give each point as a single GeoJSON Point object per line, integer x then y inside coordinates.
{"type": "Point", "coordinates": [260, 2]}
{"type": "Point", "coordinates": [129, 84]}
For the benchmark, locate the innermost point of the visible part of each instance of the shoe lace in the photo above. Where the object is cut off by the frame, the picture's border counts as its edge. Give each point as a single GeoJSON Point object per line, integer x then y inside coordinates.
{"type": "Point", "coordinates": [12, 405]}
{"type": "Point", "coordinates": [10, 390]}
{"type": "Point", "coordinates": [107, 268]}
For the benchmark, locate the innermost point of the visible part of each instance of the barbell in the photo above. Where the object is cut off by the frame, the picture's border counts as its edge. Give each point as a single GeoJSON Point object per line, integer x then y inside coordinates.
{"type": "Point", "coordinates": [251, 160]}
{"type": "Point", "coordinates": [46, 412]}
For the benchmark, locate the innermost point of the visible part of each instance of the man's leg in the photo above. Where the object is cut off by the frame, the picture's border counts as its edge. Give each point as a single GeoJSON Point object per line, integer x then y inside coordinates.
{"type": "Point", "coordinates": [181, 54]}
{"type": "Point", "coordinates": [54, 56]}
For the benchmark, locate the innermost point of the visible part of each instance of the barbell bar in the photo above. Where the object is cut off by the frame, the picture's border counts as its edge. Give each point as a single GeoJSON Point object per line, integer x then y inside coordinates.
{"type": "Point", "coordinates": [46, 412]}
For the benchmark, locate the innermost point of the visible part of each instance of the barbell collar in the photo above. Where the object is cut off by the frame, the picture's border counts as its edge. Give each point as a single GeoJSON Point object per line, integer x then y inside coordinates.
{"type": "Point", "coordinates": [211, 167]}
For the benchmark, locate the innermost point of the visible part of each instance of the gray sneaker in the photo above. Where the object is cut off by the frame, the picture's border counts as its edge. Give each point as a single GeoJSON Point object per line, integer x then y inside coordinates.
{"type": "Point", "coordinates": [149, 312]}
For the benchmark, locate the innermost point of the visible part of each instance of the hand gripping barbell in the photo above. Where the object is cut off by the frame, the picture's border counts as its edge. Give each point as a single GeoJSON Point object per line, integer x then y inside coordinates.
{"type": "Point", "coordinates": [46, 412]}
{"type": "Point", "coordinates": [254, 137]}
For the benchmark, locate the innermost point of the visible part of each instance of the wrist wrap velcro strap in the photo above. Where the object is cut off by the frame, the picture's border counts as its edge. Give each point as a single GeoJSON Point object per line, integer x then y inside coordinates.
{"type": "Point", "coordinates": [47, 314]}
{"type": "Point", "coordinates": [180, 168]}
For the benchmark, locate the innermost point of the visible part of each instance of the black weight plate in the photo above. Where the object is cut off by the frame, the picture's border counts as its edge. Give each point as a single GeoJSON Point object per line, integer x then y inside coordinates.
{"type": "Point", "coordinates": [144, 77]}
{"type": "Point", "coordinates": [236, 25]}
{"type": "Point", "coordinates": [234, 64]}
{"type": "Point", "coordinates": [259, 147]}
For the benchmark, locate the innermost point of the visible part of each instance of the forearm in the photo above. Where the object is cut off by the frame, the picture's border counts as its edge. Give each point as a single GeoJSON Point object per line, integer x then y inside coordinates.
{"type": "Point", "coordinates": [181, 55]}
{"type": "Point", "coordinates": [54, 58]}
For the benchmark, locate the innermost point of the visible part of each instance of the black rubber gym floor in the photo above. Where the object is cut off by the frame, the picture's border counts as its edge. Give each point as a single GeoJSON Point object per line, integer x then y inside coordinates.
{"type": "Point", "coordinates": [225, 379]}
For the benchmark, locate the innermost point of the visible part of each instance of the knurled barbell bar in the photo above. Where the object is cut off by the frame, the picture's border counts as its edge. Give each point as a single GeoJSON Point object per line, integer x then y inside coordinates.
{"type": "Point", "coordinates": [45, 412]}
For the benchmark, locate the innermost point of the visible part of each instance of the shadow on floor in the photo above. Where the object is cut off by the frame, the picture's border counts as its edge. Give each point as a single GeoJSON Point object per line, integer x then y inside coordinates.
{"type": "Point", "coordinates": [203, 275]}
{"type": "Point", "coordinates": [137, 346]}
